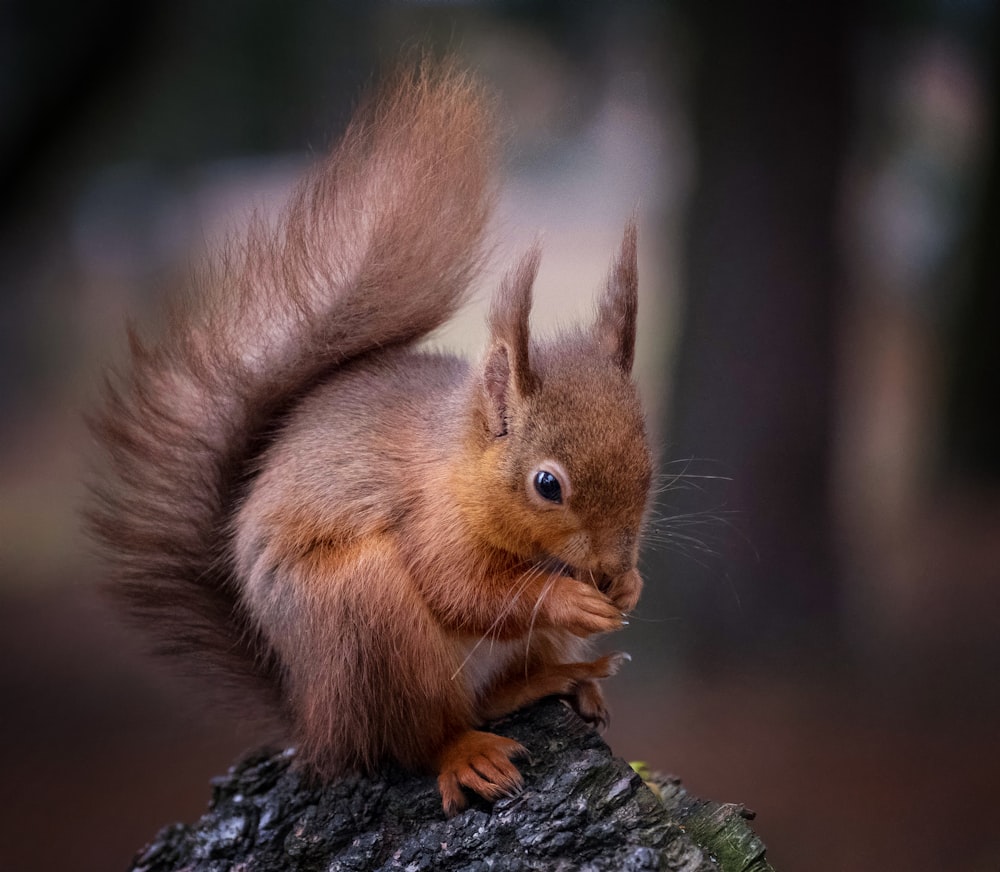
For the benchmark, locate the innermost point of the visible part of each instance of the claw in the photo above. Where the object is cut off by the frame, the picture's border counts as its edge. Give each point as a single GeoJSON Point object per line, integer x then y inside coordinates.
{"type": "Point", "coordinates": [480, 762]}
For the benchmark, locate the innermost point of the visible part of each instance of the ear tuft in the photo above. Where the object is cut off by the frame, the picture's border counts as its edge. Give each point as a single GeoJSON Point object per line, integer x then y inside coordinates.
{"type": "Point", "coordinates": [507, 370]}
{"type": "Point", "coordinates": [496, 382]}
{"type": "Point", "coordinates": [615, 327]}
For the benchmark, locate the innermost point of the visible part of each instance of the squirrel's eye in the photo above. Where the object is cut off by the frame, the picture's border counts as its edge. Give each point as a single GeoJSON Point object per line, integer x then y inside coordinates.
{"type": "Point", "coordinates": [548, 486]}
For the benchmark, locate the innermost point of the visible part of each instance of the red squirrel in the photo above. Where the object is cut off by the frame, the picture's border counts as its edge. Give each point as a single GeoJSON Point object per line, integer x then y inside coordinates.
{"type": "Point", "coordinates": [387, 546]}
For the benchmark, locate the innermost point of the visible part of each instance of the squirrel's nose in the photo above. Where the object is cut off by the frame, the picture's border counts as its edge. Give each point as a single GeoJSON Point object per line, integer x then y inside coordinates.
{"type": "Point", "coordinates": [615, 563]}
{"type": "Point", "coordinates": [618, 556]}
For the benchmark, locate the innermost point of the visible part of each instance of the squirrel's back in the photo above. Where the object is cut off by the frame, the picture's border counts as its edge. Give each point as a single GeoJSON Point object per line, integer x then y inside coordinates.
{"type": "Point", "coordinates": [353, 455]}
{"type": "Point", "coordinates": [375, 249]}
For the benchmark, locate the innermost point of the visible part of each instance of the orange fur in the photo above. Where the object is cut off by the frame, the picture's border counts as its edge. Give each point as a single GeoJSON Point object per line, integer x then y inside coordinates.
{"type": "Point", "coordinates": [351, 524]}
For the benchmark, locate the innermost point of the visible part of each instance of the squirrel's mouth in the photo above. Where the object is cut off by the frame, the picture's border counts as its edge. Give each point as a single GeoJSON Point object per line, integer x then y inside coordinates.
{"type": "Point", "coordinates": [555, 566]}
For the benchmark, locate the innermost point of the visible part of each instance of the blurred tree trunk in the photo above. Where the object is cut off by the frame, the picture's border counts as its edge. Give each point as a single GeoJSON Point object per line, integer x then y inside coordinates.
{"type": "Point", "coordinates": [972, 441]}
{"type": "Point", "coordinates": [755, 376]}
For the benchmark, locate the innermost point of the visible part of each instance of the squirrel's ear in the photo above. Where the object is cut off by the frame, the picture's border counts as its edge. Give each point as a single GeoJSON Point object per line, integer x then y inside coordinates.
{"type": "Point", "coordinates": [507, 371]}
{"type": "Point", "coordinates": [616, 316]}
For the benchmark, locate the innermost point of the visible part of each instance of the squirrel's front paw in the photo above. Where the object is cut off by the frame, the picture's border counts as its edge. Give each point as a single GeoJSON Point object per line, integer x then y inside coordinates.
{"type": "Point", "coordinates": [580, 608]}
{"type": "Point", "coordinates": [623, 590]}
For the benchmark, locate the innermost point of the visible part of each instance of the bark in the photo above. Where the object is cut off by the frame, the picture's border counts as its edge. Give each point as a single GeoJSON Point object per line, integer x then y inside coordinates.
{"type": "Point", "coordinates": [581, 808]}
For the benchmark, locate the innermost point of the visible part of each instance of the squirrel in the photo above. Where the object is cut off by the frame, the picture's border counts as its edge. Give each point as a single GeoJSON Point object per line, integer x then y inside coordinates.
{"type": "Point", "coordinates": [386, 546]}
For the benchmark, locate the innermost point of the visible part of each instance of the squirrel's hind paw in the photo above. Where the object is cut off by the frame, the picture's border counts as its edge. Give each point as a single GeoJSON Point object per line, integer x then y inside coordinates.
{"type": "Point", "coordinates": [480, 762]}
{"type": "Point", "coordinates": [587, 701]}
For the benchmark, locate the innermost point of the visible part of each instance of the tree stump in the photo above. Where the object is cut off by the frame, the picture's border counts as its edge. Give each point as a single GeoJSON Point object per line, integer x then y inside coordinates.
{"type": "Point", "coordinates": [581, 808]}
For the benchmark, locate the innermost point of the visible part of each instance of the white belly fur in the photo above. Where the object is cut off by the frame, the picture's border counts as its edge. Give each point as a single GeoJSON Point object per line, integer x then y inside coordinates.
{"type": "Point", "coordinates": [485, 660]}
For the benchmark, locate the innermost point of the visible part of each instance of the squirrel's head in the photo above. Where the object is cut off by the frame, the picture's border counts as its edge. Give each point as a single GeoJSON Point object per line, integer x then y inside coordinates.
{"type": "Point", "coordinates": [564, 468]}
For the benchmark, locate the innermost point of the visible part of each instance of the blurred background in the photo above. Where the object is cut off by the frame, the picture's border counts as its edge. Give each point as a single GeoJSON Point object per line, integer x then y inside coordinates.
{"type": "Point", "coordinates": [818, 196]}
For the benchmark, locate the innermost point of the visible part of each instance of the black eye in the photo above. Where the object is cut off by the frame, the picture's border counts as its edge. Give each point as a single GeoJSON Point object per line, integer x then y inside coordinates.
{"type": "Point", "coordinates": [547, 486]}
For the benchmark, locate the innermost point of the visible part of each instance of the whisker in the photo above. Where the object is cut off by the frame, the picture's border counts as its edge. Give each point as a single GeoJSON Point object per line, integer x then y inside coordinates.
{"type": "Point", "coordinates": [684, 479]}
{"type": "Point", "coordinates": [675, 536]}
{"type": "Point", "coordinates": [639, 619]}
{"type": "Point", "coordinates": [704, 516]}
{"type": "Point", "coordinates": [522, 585]}
{"type": "Point", "coordinates": [549, 584]}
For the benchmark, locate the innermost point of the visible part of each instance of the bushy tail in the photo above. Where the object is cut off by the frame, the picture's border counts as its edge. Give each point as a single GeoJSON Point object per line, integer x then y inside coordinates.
{"type": "Point", "coordinates": [377, 247]}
